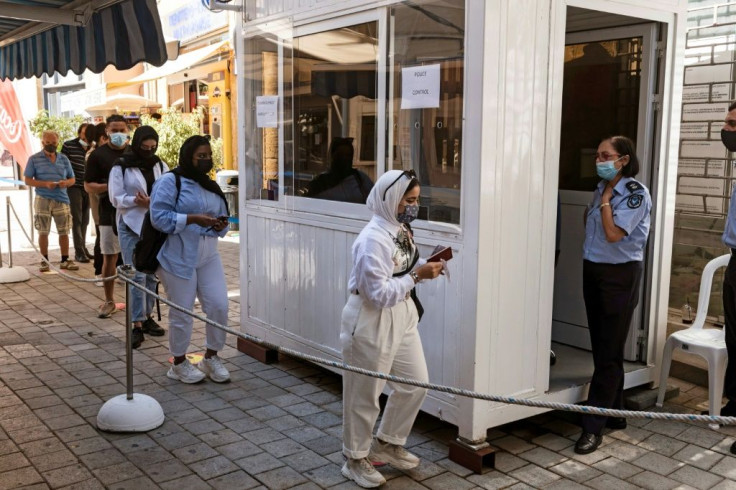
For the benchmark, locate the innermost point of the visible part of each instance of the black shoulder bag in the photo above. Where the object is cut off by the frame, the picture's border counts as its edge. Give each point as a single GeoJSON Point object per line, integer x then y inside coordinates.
{"type": "Point", "coordinates": [145, 253]}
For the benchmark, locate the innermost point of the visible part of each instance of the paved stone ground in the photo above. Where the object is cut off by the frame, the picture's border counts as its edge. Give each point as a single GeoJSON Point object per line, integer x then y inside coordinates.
{"type": "Point", "coordinates": [276, 426]}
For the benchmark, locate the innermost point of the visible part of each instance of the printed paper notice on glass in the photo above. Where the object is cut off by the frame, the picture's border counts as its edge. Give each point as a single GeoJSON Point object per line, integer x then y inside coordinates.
{"type": "Point", "coordinates": [267, 111]}
{"type": "Point", "coordinates": [420, 87]}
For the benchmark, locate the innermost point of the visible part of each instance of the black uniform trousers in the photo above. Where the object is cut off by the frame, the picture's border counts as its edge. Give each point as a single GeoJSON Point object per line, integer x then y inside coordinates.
{"type": "Point", "coordinates": [611, 293]}
{"type": "Point", "coordinates": [729, 310]}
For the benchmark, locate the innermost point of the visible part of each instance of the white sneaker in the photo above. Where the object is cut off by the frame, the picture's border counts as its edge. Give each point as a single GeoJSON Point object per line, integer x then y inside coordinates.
{"type": "Point", "coordinates": [362, 472]}
{"type": "Point", "coordinates": [99, 282]}
{"type": "Point", "coordinates": [185, 372]}
{"type": "Point", "coordinates": [393, 454]}
{"type": "Point", "coordinates": [214, 368]}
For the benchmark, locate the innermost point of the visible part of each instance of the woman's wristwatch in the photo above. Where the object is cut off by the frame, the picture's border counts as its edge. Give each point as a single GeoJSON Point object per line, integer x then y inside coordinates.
{"type": "Point", "coordinates": [604, 204]}
{"type": "Point", "coordinates": [414, 276]}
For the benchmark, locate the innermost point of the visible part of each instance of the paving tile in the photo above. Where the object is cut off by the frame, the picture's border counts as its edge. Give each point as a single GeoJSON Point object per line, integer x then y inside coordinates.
{"type": "Point", "coordinates": [513, 444]}
{"type": "Point", "coordinates": [20, 477]}
{"type": "Point", "coordinates": [699, 457]}
{"type": "Point", "coordinates": [534, 475]}
{"type": "Point", "coordinates": [134, 443]}
{"type": "Point", "coordinates": [323, 420]}
{"type": "Point", "coordinates": [726, 468]}
{"type": "Point", "coordinates": [193, 453]}
{"type": "Point", "coordinates": [617, 468]}
{"type": "Point", "coordinates": [100, 459]}
{"type": "Point", "coordinates": [700, 437]}
{"type": "Point", "coordinates": [259, 463]}
{"type": "Point", "coordinates": [267, 412]}
{"type": "Point", "coordinates": [653, 481]}
{"type": "Point", "coordinates": [622, 450]}
{"type": "Point", "coordinates": [42, 446]}
{"type": "Point", "coordinates": [542, 457]}
{"type": "Point", "coordinates": [575, 470]}
{"type": "Point", "coordinates": [220, 437]}
{"type": "Point", "coordinates": [280, 478]}
{"type": "Point", "coordinates": [177, 440]}
{"type": "Point", "coordinates": [142, 483]}
{"type": "Point", "coordinates": [117, 473]}
{"type": "Point", "coordinates": [263, 436]}
{"type": "Point", "coordinates": [191, 482]}
{"type": "Point", "coordinates": [725, 485]}
{"type": "Point", "coordinates": [609, 482]}
{"type": "Point", "coordinates": [67, 475]}
{"type": "Point", "coordinates": [50, 461]}
{"type": "Point", "coordinates": [553, 442]}
{"type": "Point", "coordinates": [695, 477]}
{"type": "Point", "coordinates": [170, 470]}
{"type": "Point", "coordinates": [326, 476]}
{"type": "Point", "coordinates": [76, 433]}
{"type": "Point", "coordinates": [236, 479]}
{"type": "Point", "coordinates": [213, 467]}
{"type": "Point", "coordinates": [12, 461]}
{"type": "Point", "coordinates": [149, 456]}
{"type": "Point", "coordinates": [662, 444]}
{"type": "Point", "coordinates": [238, 450]}
{"type": "Point", "coordinates": [657, 463]}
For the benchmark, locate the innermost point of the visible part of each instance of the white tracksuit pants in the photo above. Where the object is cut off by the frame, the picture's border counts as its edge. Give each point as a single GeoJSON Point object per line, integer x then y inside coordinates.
{"type": "Point", "coordinates": [385, 340]}
{"type": "Point", "coordinates": [208, 284]}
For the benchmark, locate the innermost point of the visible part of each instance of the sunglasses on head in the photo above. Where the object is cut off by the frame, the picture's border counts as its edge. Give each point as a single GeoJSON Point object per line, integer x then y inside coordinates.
{"type": "Point", "coordinates": [411, 174]}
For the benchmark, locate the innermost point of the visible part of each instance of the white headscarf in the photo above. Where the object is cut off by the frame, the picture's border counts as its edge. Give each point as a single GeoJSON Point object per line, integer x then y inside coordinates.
{"type": "Point", "coordinates": [388, 208]}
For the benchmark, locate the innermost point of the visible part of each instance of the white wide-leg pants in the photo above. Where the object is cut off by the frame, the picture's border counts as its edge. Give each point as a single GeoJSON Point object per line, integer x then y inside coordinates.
{"type": "Point", "coordinates": [208, 284]}
{"type": "Point", "coordinates": [385, 340]}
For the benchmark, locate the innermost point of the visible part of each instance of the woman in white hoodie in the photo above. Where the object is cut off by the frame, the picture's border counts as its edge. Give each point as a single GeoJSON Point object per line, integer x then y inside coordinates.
{"type": "Point", "coordinates": [129, 187]}
{"type": "Point", "coordinates": [379, 331]}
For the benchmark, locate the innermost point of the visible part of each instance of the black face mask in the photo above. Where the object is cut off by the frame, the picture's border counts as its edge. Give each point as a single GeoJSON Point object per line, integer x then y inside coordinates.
{"type": "Point", "coordinates": [204, 166]}
{"type": "Point", "coordinates": [729, 139]}
{"type": "Point", "coordinates": [50, 148]}
{"type": "Point", "coordinates": [146, 154]}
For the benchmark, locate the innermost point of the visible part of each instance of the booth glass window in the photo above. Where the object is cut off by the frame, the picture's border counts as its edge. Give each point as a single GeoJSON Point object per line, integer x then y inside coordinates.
{"type": "Point", "coordinates": [261, 73]}
{"type": "Point", "coordinates": [602, 78]}
{"type": "Point", "coordinates": [335, 99]}
{"type": "Point", "coordinates": [425, 133]}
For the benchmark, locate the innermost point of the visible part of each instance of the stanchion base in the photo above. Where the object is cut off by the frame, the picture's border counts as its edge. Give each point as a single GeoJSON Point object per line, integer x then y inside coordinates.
{"type": "Point", "coordinates": [13, 274]}
{"type": "Point", "coordinates": [140, 414]}
{"type": "Point", "coordinates": [478, 459]}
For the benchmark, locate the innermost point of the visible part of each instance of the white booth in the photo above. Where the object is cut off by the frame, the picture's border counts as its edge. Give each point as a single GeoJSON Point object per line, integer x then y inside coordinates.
{"type": "Point", "coordinates": [498, 106]}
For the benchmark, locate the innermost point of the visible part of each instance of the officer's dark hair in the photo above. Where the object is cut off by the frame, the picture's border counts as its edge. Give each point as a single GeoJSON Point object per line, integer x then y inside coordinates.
{"type": "Point", "coordinates": [732, 106]}
{"type": "Point", "coordinates": [624, 146]}
{"type": "Point", "coordinates": [81, 128]}
{"type": "Point", "coordinates": [115, 118]}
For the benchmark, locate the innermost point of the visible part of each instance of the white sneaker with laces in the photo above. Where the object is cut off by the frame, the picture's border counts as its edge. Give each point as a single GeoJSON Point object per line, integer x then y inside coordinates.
{"type": "Point", "coordinates": [393, 454]}
{"type": "Point", "coordinates": [362, 472]}
{"type": "Point", "coordinates": [185, 372]}
{"type": "Point", "coordinates": [214, 368]}
{"type": "Point", "coordinates": [99, 282]}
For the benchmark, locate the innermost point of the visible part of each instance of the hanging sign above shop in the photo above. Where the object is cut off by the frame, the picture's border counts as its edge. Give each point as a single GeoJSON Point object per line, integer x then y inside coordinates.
{"type": "Point", "coordinates": [267, 107]}
{"type": "Point", "coordinates": [420, 87]}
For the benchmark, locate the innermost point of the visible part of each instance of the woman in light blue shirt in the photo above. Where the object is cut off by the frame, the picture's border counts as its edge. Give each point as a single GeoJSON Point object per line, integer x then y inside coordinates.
{"type": "Point", "coordinates": [192, 209]}
{"type": "Point", "coordinates": [616, 231]}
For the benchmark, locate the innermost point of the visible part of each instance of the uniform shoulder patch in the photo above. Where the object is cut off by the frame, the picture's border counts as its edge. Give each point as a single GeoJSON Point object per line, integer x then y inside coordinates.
{"type": "Point", "coordinates": [634, 200]}
{"type": "Point", "coordinates": [634, 186]}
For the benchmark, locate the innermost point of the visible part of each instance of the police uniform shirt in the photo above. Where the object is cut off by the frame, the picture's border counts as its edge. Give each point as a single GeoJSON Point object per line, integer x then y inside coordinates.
{"type": "Point", "coordinates": [631, 206]}
{"type": "Point", "coordinates": [729, 233]}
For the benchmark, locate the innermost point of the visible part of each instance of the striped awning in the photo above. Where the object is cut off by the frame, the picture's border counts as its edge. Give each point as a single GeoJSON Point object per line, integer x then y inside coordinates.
{"type": "Point", "coordinates": [123, 34]}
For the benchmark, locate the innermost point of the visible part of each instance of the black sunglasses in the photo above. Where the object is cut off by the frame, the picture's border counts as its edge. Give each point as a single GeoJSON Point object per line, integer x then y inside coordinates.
{"type": "Point", "coordinates": [409, 173]}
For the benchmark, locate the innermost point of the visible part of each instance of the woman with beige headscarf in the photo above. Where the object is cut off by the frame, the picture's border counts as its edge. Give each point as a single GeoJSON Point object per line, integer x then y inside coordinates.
{"type": "Point", "coordinates": [379, 331]}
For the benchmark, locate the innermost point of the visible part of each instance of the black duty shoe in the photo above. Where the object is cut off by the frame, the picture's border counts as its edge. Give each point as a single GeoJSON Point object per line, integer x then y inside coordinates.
{"type": "Point", "coordinates": [89, 254]}
{"type": "Point", "coordinates": [152, 328]}
{"type": "Point", "coordinates": [81, 258]}
{"type": "Point", "coordinates": [587, 443]}
{"type": "Point", "coordinates": [616, 423]}
{"type": "Point", "coordinates": [136, 337]}
{"type": "Point", "coordinates": [733, 448]}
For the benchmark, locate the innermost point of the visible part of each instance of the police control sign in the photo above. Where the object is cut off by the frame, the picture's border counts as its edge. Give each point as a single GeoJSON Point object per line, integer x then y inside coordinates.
{"type": "Point", "coordinates": [420, 87]}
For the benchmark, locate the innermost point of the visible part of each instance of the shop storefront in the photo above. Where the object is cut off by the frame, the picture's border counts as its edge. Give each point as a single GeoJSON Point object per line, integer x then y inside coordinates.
{"type": "Point", "coordinates": [498, 108]}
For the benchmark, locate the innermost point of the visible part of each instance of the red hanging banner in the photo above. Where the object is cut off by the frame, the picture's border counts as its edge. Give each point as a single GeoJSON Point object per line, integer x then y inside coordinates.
{"type": "Point", "coordinates": [13, 131]}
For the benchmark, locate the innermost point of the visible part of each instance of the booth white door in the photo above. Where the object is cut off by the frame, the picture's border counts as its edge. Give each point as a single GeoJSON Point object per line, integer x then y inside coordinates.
{"type": "Point", "coordinates": [608, 90]}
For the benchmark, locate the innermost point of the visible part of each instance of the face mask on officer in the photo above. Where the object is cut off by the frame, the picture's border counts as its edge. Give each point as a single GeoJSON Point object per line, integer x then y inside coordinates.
{"type": "Point", "coordinates": [729, 139]}
{"type": "Point", "coordinates": [607, 170]}
{"type": "Point", "coordinates": [49, 148]}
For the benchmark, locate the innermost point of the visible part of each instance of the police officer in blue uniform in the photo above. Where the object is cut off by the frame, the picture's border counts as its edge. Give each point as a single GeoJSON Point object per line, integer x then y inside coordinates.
{"type": "Point", "coordinates": [616, 232]}
{"type": "Point", "coordinates": [728, 137]}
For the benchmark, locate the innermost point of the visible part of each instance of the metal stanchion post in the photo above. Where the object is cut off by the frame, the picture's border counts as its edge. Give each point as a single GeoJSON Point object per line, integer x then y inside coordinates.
{"type": "Point", "coordinates": [11, 274]}
{"type": "Point", "coordinates": [131, 412]}
{"type": "Point", "coordinates": [128, 340]}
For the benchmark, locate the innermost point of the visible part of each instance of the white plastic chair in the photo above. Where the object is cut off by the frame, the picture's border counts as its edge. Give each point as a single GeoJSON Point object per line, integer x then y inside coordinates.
{"type": "Point", "coordinates": [707, 343]}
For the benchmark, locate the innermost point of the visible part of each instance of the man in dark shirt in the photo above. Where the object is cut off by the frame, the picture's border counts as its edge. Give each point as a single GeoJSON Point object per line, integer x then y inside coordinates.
{"type": "Point", "coordinates": [99, 164]}
{"type": "Point", "coordinates": [76, 150]}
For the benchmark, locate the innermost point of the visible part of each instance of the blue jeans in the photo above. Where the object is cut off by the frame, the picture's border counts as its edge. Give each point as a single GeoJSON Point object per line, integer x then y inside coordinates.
{"type": "Point", "coordinates": [141, 304]}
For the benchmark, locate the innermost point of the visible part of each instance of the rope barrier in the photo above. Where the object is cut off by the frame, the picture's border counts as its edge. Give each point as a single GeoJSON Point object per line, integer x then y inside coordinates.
{"type": "Point", "coordinates": [583, 409]}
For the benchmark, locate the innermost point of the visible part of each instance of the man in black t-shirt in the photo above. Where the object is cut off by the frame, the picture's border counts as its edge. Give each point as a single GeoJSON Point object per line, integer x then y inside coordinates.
{"type": "Point", "coordinates": [76, 151]}
{"type": "Point", "coordinates": [99, 164]}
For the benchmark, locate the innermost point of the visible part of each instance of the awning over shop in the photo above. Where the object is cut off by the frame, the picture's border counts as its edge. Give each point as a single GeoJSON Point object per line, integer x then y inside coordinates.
{"type": "Point", "coordinates": [183, 62]}
{"type": "Point", "coordinates": [123, 103]}
{"type": "Point", "coordinates": [96, 34]}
